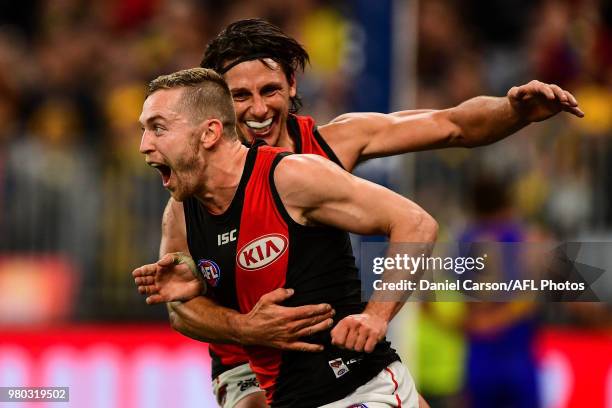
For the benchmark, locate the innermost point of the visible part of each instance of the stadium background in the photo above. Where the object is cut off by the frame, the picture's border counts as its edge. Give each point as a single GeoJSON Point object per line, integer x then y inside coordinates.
{"type": "Point", "coordinates": [79, 209]}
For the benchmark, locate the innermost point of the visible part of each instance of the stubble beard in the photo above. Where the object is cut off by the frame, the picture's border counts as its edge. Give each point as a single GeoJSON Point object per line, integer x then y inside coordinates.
{"type": "Point", "coordinates": [190, 169]}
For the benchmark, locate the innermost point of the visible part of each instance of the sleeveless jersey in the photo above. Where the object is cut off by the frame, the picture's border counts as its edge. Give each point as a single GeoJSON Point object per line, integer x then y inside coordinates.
{"type": "Point", "coordinates": [254, 248]}
{"type": "Point", "coordinates": [306, 139]}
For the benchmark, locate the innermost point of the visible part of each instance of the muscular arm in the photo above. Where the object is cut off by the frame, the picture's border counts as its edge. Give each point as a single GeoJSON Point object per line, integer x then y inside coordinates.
{"type": "Point", "coordinates": [356, 137]}
{"type": "Point", "coordinates": [199, 318]}
{"type": "Point", "coordinates": [316, 192]}
{"type": "Point", "coordinates": [174, 232]}
{"type": "Point", "coordinates": [203, 319]}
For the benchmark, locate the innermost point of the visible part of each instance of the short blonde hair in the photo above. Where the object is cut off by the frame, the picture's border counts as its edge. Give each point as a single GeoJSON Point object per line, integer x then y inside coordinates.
{"type": "Point", "coordinates": [205, 93]}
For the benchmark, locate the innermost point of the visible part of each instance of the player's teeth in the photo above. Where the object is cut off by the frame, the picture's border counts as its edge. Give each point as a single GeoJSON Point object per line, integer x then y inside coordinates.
{"type": "Point", "coordinates": [259, 125]}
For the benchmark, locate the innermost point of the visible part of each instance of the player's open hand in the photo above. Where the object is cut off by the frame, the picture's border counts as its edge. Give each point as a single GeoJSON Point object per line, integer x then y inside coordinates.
{"type": "Point", "coordinates": [360, 332]}
{"type": "Point", "coordinates": [172, 278]}
{"type": "Point", "coordinates": [537, 101]}
{"type": "Point", "coordinates": [270, 324]}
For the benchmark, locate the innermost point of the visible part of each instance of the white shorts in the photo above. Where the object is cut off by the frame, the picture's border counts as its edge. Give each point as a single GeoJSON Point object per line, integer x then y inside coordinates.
{"type": "Point", "coordinates": [235, 384]}
{"type": "Point", "coordinates": [392, 387]}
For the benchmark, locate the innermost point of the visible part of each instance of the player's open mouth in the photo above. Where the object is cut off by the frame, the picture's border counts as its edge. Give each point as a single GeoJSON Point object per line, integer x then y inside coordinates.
{"type": "Point", "coordinates": [260, 128]}
{"type": "Point", "coordinates": [164, 170]}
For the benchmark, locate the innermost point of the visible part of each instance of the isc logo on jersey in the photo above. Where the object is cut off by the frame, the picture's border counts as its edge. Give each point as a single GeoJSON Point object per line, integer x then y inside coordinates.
{"type": "Point", "coordinates": [210, 271]}
{"type": "Point", "coordinates": [261, 251]}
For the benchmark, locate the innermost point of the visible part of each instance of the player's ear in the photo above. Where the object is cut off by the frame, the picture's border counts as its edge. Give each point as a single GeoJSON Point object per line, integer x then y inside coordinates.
{"type": "Point", "coordinates": [212, 132]}
{"type": "Point", "coordinates": [292, 86]}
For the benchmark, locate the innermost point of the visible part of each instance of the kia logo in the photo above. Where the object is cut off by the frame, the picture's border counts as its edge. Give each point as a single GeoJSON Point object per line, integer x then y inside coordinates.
{"type": "Point", "coordinates": [262, 251]}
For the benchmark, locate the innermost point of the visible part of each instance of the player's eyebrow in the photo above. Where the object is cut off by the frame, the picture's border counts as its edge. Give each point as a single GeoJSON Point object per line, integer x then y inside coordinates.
{"type": "Point", "coordinates": [239, 89]}
{"type": "Point", "coordinates": [151, 119]}
{"type": "Point", "coordinates": [267, 85]}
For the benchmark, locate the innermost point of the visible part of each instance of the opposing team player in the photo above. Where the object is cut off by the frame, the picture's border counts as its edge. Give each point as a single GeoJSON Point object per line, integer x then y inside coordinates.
{"type": "Point", "coordinates": [289, 215]}
{"type": "Point", "coordinates": [261, 75]}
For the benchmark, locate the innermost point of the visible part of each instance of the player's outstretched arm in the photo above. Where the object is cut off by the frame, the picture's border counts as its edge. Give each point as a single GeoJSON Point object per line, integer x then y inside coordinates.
{"type": "Point", "coordinates": [317, 192]}
{"type": "Point", "coordinates": [201, 318]}
{"type": "Point", "coordinates": [478, 121]}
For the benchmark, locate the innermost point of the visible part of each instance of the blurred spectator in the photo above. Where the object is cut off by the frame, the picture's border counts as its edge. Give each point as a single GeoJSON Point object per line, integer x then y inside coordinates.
{"type": "Point", "coordinates": [499, 334]}
{"type": "Point", "coordinates": [441, 349]}
{"type": "Point", "coordinates": [51, 179]}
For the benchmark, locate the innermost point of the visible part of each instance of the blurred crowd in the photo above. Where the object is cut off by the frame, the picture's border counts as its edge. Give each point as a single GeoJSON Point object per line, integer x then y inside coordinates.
{"type": "Point", "coordinates": [550, 182]}
{"type": "Point", "coordinates": [556, 170]}
{"type": "Point", "coordinates": [72, 182]}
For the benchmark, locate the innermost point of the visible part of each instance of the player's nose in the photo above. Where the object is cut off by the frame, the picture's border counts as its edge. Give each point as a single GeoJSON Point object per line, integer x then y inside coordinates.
{"type": "Point", "coordinates": [259, 109]}
{"type": "Point", "coordinates": [146, 144]}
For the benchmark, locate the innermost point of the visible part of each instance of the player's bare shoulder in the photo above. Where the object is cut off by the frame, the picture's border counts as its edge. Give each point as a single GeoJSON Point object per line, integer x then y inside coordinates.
{"type": "Point", "coordinates": [306, 180]}
{"type": "Point", "coordinates": [298, 171]}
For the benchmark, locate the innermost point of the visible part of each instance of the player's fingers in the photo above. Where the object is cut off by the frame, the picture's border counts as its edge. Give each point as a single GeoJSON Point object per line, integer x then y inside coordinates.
{"type": "Point", "coordinates": [548, 92]}
{"type": "Point", "coordinates": [301, 346]}
{"type": "Point", "coordinates": [144, 270]}
{"type": "Point", "coordinates": [568, 98]}
{"type": "Point", "coordinates": [559, 93]}
{"type": "Point", "coordinates": [339, 333]}
{"type": "Point", "coordinates": [311, 321]}
{"type": "Point", "coordinates": [351, 339]}
{"type": "Point", "coordinates": [277, 295]}
{"type": "Point", "coordinates": [168, 260]}
{"type": "Point", "coordinates": [513, 92]}
{"type": "Point", "coordinates": [154, 299]}
{"type": "Point", "coordinates": [524, 90]}
{"type": "Point", "coordinates": [361, 340]}
{"type": "Point", "coordinates": [149, 271]}
{"type": "Point", "coordinates": [574, 110]}
{"type": "Point", "coordinates": [308, 311]}
{"type": "Point", "coordinates": [150, 289]}
{"type": "Point", "coordinates": [370, 344]}
{"type": "Point", "coordinates": [315, 328]}
{"type": "Point", "coordinates": [571, 98]}
{"type": "Point", "coordinates": [145, 280]}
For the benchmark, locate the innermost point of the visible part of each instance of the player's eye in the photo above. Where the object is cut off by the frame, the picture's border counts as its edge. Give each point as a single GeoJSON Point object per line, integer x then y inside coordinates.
{"type": "Point", "coordinates": [240, 96]}
{"type": "Point", "coordinates": [158, 129]}
{"type": "Point", "coordinates": [269, 90]}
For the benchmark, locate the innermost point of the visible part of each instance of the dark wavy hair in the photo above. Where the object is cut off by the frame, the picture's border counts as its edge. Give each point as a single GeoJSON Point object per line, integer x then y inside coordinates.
{"type": "Point", "coordinates": [251, 39]}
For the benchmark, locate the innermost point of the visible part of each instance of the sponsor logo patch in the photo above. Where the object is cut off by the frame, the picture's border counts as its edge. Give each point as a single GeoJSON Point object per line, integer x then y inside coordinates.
{"type": "Point", "coordinates": [248, 383]}
{"type": "Point", "coordinates": [210, 271]}
{"type": "Point", "coordinates": [338, 367]}
{"type": "Point", "coordinates": [262, 251]}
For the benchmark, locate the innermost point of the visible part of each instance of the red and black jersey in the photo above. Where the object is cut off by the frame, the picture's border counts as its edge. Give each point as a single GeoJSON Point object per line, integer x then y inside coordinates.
{"type": "Point", "coordinates": [306, 139]}
{"type": "Point", "coordinates": [254, 248]}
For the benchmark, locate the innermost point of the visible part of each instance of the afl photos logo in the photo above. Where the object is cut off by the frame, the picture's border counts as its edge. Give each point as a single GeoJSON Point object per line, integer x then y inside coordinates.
{"type": "Point", "coordinates": [262, 251]}
{"type": "Point", "coordinates": [210, 271]}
